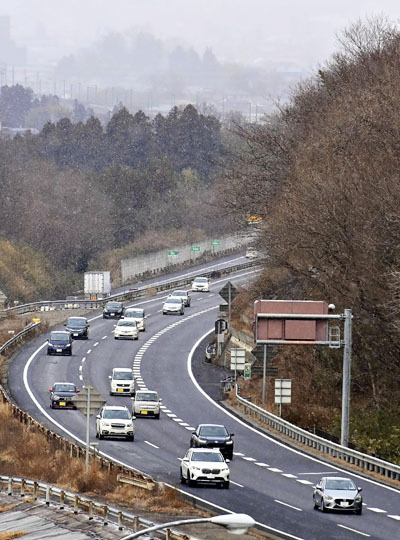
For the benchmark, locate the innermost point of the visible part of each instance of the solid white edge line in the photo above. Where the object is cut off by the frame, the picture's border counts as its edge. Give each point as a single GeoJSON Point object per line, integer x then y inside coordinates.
{"type": "Point", "coordinates": [288, 505]}
{"type": "Point", "coordinates": [236, 484]}
{"type": "Point", "coordinates": [353, 530]}
{"type": "Point", "coordinates": [251, 428]}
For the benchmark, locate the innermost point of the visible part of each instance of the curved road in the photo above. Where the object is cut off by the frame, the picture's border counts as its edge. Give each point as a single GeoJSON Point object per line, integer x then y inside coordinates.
{"type": "Point", "coordinates": [270, 481]}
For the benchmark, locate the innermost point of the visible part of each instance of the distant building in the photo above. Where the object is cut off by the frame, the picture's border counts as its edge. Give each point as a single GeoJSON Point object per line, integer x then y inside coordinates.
{"type": "Point", "coordinates": [10, 133]}
{"type": "Point", "coordinates": [3, 300]}
{"type": "Point", "coordinates": [10, 53]}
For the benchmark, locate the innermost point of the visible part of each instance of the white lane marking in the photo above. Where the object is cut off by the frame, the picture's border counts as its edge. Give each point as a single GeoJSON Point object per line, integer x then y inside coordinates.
{"type": "Point", "coordinates": [305, 482]}
{"type": "Point", "coordinates": [353, 530]}
{"type": "Point", "coordinates": [89, 351]}
{"type": "Point", "coordinates": [238, 454]}
{"type": "Point", "coordinates": [184, 424]}
{"type": "Point", "coordinates": [177, 419]}
{"type": "Point", "coordinates": [262, 464]}
{"type": "Point", "coordinates": [273, 469]}
{"type": "Point", "coordinates": [394, 517]}
{"type": "Point", "coordinates": [377, 510]}
{"type": "Point", "coordinates": [163, 407]}
{"type": "Point", "coordinates": [288, 475]}
{"type": "Point", "coordinates": [263, 435]}
{"type": "Point", "coordinates": [171, 415]}
{"type": "Point", "coordinates": [289, 505]}
{"type": "Point", "coordinates": [310, 473]}
{"type": "Point", "coordinates": [159, 310]}
{"type": "Point", "coordinates": [236, 484]}
{"type": "Point", "coordinates": [249, 458]}
{"type": "Point", "coordinates": [80, 368]}
{"type": "Point", "coordinates": [151, 444]}
{"type": "Point", "coordinates": [95, 344]}
{"type": "Point", "coordinates": [83, 359]}
{"type": "Point", "coordinates": [189, 428]}
{"type": "Point", "coordinates": [104, 337]}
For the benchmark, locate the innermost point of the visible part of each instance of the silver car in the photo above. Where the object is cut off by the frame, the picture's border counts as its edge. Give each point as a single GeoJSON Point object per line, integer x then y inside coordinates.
{"type": "Point", "coordinates": [173, 304]}
{"type": "Point", "coordinates": [339, 494]}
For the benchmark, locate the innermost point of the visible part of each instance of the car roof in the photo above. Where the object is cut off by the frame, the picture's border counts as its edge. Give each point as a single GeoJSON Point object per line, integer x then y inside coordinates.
{"type": "Point", "coordinates": [134, 309]}
{"type": "Point", "coordinates": [213, 425]}
{"type": "Point", "coordinates": [208, 450]}
{"type": "Point", "coordinates": [122, 369]}
{"type": "Point", "coordinates": [60, 332]}
{"type": "Point", "coordinates": [73, 317]}
{"type": "Point", "coordinates": [201, 277]}
{"type": "Point", "coordinates": [146, 391]}
{"type": "Point", "coordinates": [116, 407]}
{"type": "Point", "coordinates": [64, 382]}
{"type": "Point", "coordinates": [335, 478]}
{"type": "Point", "coordinates": [178, 291]}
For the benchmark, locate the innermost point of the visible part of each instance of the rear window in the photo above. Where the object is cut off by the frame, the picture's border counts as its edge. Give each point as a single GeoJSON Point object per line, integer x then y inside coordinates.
{"type": "Point", "coordinates": [59, 336]}
{"type": "Point", "coordinates": [134, 313]}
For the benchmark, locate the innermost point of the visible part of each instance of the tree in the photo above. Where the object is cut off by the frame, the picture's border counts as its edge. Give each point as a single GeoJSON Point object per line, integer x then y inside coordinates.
{"type": "Point", "coordinates": [15, 103]}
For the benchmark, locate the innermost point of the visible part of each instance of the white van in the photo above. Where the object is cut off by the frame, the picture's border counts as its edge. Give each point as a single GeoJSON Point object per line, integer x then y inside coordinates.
{"type": "Point", "coordinates": [146, 403]}
{"type": "Point", "coordinates": [122, 382]}
{"type": "Point", "coordinates": [138, 315]}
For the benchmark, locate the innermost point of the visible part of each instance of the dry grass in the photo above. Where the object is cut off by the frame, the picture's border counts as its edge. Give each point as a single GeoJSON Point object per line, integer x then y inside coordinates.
{"type": "Point", "coordinates": [11, 535]}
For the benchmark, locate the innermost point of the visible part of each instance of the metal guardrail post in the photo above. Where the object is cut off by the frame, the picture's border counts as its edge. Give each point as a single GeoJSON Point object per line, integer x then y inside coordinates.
{"type": "Point", "coordinates": [105, 518]}
{"type": "Point", "coordinates": [9, 487]}
{"type": "Point", "coordinates": [62, 497]}
{"type": "Point", "coordinates": [48, 491]}
{"type": "Point", "coordinates": [90, 509]}
{"type": "Point", "coordinates": [35, 490]}
{"type": "Point", "coordinates": [22, 491]}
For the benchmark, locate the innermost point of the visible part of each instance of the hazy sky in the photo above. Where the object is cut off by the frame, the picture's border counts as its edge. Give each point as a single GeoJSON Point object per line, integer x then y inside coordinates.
{"type": "Point", "coordinates": [300, 31]}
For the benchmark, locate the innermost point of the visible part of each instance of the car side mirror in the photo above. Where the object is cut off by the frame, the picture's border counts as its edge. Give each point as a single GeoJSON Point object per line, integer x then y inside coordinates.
{"type": "Point", "coordinates": [65, 324]}
{"type": "Point", "coordinates": [227, 461]}
{"type": "Point", "coordinates": [133, 417]}
{"type": "Point", "coordinates": [359, 489]}
{"type": "Point", "coordinates": [77, 391]}
{"type": "Point", "coordinates": [193, 433]}
{"type": "Point", "coordinates": [50, 390]}
{"type": "Point", "coordinates": [232, 434]}
{"type": "Point", "coordinates": [185, 459]}
{"type": "Point", "coordinates": [98, 416]}
{"type": "Point", "coordinates": [318, 486]}
{"type": "Point", "coordinates": [109, 377]}
{"type": "Point", "coordinates": [160, 400]}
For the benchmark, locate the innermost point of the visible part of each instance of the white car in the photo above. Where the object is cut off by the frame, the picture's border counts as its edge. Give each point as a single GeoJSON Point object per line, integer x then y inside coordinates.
{"type": "Point", "coordinates": [126, 328]}
{"type": "Point", "coordinates": [122, 382]}
{"type": "Point", "coordinates": [173, 304]}
{"type": "Point", "coordinates": [201, 284]}
{"type": "Point", "coordinates": [204, 465]}
{"type": "Point", "coordinates": [113, 421]}
{"type": "Point", "coordinates": [183, 295]}
{"type": "Point", "coordinates": [138, 315]}
{"type": "Point", "coordinates": [146, 403]}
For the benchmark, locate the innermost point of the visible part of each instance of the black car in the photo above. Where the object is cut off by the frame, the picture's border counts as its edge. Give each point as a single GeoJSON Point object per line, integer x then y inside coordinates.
{"type": "Point", "coordinates": [113, 310]}
{"type": "Point", "coordinates": [78, 327]}
{"type": "Point", "coordinates": [59, 342]}
{"type": "Point", "coordinates": [61, 395]}
{"type": "Point", "coordinates": [213, 436]}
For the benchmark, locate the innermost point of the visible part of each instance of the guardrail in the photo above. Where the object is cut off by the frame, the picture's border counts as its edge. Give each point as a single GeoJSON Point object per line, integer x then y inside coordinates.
{"type": "Point", "coordinates": [352, 457]}
{"type": "Point", "coordinates": [119, 297]}
{"type": "Point", "coordinates": [15, 339]}
{"type": "Point", "coordinates": [55, 495]}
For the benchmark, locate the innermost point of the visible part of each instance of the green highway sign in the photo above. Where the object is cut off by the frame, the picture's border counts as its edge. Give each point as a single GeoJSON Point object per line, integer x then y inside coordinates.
{"type": "Point", "coordinates": [195, 248]}
{"type": "Point", "coordinates": [173, 252]}
{"type": "Point", "coordinates": [215, 242]}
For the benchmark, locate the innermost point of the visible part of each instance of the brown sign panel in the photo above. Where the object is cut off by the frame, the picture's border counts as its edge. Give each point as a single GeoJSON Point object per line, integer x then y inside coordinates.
{"type": "Point", "coordinates": [276, 322]}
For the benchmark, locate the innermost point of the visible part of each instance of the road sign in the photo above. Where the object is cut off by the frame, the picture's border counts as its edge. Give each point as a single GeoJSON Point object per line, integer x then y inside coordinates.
{"type": "Point", "coordinates": [271, 371]}
{"type": "Point", "coordinates": [215, 242]}
{"type": "Point", "coordinates": [238, 357]}
{"type": "Point", "coordinates": [81, 400]}
{"type": "Point", "coordinates": [220, 326]}
{"type": "Point", "coordinates": [258, 352]}
{"type": "Point", "coordinates": [195, 248]}
{"type": "Point", "coordinates": [228, 292]}
{"type": "Point", "coordinates": [247, 370]}
{"type": "Point", "coordinates": [173, 252]}
{"type": "Point", "coordinates": [283, 391]}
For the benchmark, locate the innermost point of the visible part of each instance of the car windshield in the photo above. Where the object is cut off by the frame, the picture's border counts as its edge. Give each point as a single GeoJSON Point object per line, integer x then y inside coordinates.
{"type": "Point", "coordinates": [179, 293]}
{"type": "Point", "coordinates": [146, 396]}
{"type": "Point", "coordinates": [75, 321]}
{"type": "Point", "coordinates": [113, 305]}
{"type": "Point", "coordinates": [64, 387]}
{"type": "Point", "coordinates": [133, 314]}
{"type": "Point", "coordinates": [58, 336]}
{"type": "Point", "coordinates": [124, 322]}
{"type": "Point", "coordinates": [123, 375]}
{"type": "Point", "coordinates": [114, 414]}
{"type": "Point", "coordinates": [339, 483]}
{"type": "Point", "coordinates": [201, 280]}
{"type": "Point", "coordinates": [207, 456]}
{"type": "Point", "coordinates": [213, 431]}
{"type": "Point", "coordinates": [172, 300]}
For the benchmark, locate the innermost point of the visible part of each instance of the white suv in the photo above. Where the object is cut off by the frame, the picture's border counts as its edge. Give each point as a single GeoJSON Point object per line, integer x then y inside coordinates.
{"type": "Point", "coordinates": [126, 328]}
{"type": "Point", "coordinates": [138, 315]}
{"type": "Point", "coordinates": [201, 284]}
{"type": "Point", "coordinates": [204, 465]}
{"type": "Point", "coordinates": [113, 421]}
{"type": "Point", "coordinates": [122, 382]}
{"type": "Point", "coordinates": [146, 403]}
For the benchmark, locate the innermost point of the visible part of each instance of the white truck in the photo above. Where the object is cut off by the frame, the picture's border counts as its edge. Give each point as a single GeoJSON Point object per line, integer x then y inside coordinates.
{"type": "Point", "coordinates": [97, 285]}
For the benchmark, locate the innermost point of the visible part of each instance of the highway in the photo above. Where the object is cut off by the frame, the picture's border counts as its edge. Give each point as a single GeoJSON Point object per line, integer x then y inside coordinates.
{"type": "Point", "coordinates": [269, 480]}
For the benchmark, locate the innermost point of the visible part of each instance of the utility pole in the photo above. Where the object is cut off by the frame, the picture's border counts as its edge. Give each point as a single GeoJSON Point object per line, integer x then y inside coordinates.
{"type": "Point", "coordinates": [264, 375]}
{"type": "Point", "coordinates": [87, 429]}
{"type": "Point", "coordinates": [344, 440]}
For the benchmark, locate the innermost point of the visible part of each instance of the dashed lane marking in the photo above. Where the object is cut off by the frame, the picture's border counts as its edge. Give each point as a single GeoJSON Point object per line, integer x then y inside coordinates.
{"type": "Point", "coordinates": [236, 484]}
{"type": "Point", "coordinates": [395, 517]}
{"type": "Point", "coordinates": [305, 482]}
{"type": "Point", "coordinates": [95, 344]}
{"type": "Point", "coordinates": [89, 351]}
{"type": "Point", "coordinates": [151, 444]}
{"type": "Point", "coordinates": [353, 530]}
{"type": "Point", "coordinates": [288, 505]}
{"type": "Point", "coordinates": [273, 469]}
{"type": "Point", "coordinates": [260, 464]}
{"type": "Point", "coordinates": [249, 458]}
{"type": "Point", "coordinates": [377, 510]}
{"type": "Point", "coordinates": [104, 337]}
{"type": "Point", "coordinates": [83, 359]}
{"type": "Point", "coordinates": [288, 475]}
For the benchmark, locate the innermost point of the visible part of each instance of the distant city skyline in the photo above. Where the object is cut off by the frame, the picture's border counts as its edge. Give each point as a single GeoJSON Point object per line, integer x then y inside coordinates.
{"type": "Point", "coordinates": [255, 32]}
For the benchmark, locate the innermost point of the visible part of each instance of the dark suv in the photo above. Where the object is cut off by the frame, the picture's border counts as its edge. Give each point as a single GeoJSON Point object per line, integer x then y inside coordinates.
{"type": "Point", "coordinates": [78, 327]}
{"type": "Point", "coordinates": [113, 310]}
{"type": "Point", "coordinates": [213, 436]}
{"type": "Point", "coordinates": [59, 342]}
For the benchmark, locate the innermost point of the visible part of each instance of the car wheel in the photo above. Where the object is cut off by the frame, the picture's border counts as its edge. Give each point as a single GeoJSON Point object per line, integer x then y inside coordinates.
{"type": "Point", "coordinates": [323, 508]}
{"type": "Point", "coordinates": [51, 406]}
{"type": "Point", "coordinates": [226, 484]}
{"type": "Point", "coordinates": [137, 337]}
{"type": "Point", "coordinates": [130, 438]}
{"type": "Point", "coordinates": [315, 504]}
{"type": "Point", "coordinates": [157, 416]}
{"type": "Point", "coordinates": [359, 511]}
{"type": "Point", "coordinates": [189, 481]}
{"type": "Point", "coordinates": [101, 437]}
{"type": "Point", "coordinates": [183, 479]}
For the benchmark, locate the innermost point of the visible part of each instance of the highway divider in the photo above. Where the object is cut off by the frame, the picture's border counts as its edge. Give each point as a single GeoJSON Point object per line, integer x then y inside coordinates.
{"type": "Point", "coordinates": [352, 457]}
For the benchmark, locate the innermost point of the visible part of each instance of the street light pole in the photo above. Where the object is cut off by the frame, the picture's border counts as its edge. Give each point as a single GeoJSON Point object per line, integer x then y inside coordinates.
{"type": "Point", "coordinates": [344, 440]}
{"type": "Point", "coordinates": [234, 523]}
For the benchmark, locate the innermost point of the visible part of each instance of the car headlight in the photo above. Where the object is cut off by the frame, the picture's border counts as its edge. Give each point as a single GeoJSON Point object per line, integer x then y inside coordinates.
{"type": "Point", "coordinates": [202, 441]}
{"type": "Point", "coordinates": [229, 442]}
{"type": "Point", "coordinates": [68, 345]}
{"type": "Point", "coordinates": [196, 469]}
{"type": "Point", "coordinates": [106, 424]}
{"type": "Point", "coordinates": [358, 499]}
{"type": "Point", "coordinates": [328, 498]}
{"type": "Point", "coordinates": [56, 398]}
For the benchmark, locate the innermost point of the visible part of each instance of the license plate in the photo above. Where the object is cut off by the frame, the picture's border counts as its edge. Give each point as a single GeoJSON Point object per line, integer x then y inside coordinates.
{"type": "Point", "coordinates": [143, 412]}
{"type": "Point", "coordinates": [62, 403]}
{"type": "Point", "coordinates": [120, 389]}
{"type": "Point", "coordinates": [344, 503]}
{"type": "Point", "coordinates": [59, 350]}
{"type": "Point", "coordinates": [112, 314]}
{"type": "Point", "coordinates": [76, 334]}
